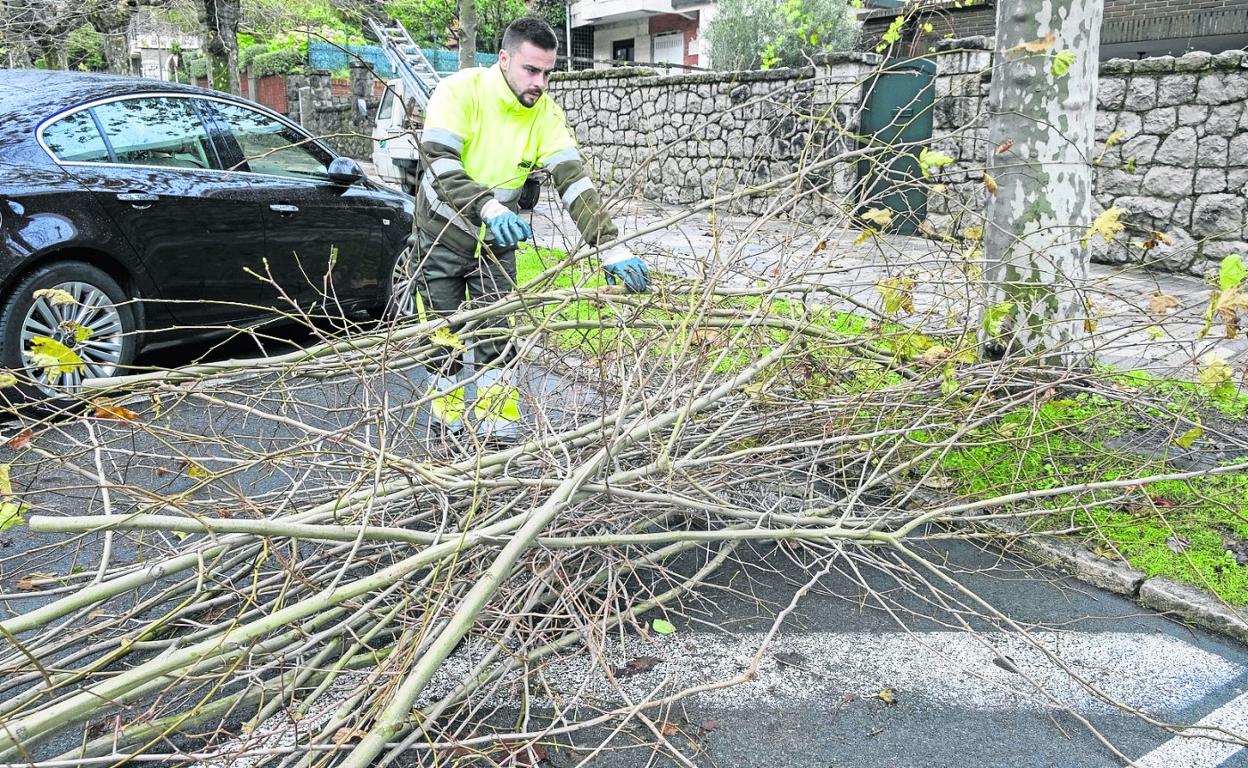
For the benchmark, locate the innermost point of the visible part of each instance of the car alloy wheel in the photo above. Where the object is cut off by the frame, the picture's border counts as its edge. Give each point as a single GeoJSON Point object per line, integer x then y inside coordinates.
{"type": "Point", "coordinates": [90, 326]}
{"type": "Point", "coordinates": [61, 324]}
{"type": "Point", "coordinates": [402, 302]}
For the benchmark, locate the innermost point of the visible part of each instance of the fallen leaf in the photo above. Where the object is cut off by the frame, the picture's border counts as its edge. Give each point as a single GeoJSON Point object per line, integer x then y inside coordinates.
{"type": "Point", "coordinates": [937, 482]}
{"type": "Point", "coordinates": [1178, 543]}
{"type": "Point", "coordinates": [791, 659]}
{"type": "Point", "coordinates": [1004, 146]}
{"type": "Point", "coordinates": [20, 440]}
{"type": "Point", "coordinates": [1158, 238]}
{"type": "Point", "coordinates": [1186, 439]}
{"type": "Point", "coordinates": [11, 514]}
{"type": "Point", "coordinates": [196, 471]}
{"type": "Point", "coordinates": [710, 725]}
{"type": "Point", "coordinates": [663, 626]}
{"type": "Point", "coordinates": [343, 735]}
{"type": "Point", "coordinates": [1162, 304]}
{"type": "Point", "coordinates": [638, 666]}
{"type": "Point", "coordinates": [668, 728]}
{"type": "Point", "coordinates": [937, 353]}
{"type": "Point", "coordinates": [888, 696]}
{"type": "Point", "coordinates": [881, 217]}
{"type": "Point", "coordinates": [105, 409]}
{"type": "Point", "coordinates": [990, 183]}
{"type": "Point", "coordinates": [1161, 502]}
{"type": "Point", "coordinates": [7, 379]}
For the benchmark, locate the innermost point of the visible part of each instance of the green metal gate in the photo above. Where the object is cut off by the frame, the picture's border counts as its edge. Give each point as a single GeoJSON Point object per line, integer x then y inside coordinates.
{"type": "Point", "coordinates": [897, 109]}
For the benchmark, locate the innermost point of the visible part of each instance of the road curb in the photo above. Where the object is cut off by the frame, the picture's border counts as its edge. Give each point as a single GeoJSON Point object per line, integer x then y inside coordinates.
{"type": "Point", "coordinates": [1158, 593]}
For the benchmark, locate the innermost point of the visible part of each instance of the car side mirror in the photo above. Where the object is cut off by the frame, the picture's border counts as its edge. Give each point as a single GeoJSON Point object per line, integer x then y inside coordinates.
{"type": "Point", "coordinates": [345, 171]}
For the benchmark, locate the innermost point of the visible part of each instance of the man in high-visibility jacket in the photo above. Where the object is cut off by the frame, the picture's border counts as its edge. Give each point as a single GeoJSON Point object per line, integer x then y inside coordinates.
{"type": "Point", "coordinates": [485, 129]}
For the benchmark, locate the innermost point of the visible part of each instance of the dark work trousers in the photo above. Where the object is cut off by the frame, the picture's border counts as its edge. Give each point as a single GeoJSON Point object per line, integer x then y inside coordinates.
{"type": "Point", "coordinates": [445, 279]}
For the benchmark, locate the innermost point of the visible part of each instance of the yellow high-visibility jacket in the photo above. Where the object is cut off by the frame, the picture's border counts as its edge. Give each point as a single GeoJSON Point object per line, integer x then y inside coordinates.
{"type": "Point", "coordinates": [480, 142]}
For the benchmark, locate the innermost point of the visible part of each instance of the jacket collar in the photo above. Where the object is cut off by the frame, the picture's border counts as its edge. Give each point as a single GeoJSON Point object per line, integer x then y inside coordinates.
{"type": "Point", "coordinates": [503, 93]}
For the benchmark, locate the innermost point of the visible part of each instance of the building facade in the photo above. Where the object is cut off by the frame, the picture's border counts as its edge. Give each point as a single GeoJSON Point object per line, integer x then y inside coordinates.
{"type": "Point", "coordinates": [1132, 29]}
{"type": "Point", "coordinates": [662, 32]}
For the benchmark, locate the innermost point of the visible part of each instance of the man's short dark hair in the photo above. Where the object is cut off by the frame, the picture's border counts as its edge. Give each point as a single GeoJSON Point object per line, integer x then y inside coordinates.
{"type": "Point", "coordinates": [530, 29]}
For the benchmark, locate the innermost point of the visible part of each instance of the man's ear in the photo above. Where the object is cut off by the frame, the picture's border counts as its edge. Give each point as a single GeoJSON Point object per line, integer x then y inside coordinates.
{"type": "Point", "coordinates": [503, 58]}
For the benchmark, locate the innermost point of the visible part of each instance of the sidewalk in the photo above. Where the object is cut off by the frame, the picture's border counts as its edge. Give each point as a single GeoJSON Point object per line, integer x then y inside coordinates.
{"type": "Point", "coordinates": [744, 250]}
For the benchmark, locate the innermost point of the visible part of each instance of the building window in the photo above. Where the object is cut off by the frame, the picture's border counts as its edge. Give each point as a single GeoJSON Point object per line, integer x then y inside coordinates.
{"type": "Point", "coordinates": [583, 48]}
{"type": "Point", "coordinates": [622, 50]}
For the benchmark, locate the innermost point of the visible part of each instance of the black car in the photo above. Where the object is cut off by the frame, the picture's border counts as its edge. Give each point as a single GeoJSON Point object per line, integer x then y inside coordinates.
{"type": "Point", "coordinates": [137, 212]}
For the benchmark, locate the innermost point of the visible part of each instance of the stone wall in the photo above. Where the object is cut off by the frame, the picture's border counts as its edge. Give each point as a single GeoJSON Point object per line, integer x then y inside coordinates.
{"type": "Point", "coordinates": [344, 121]}
{"type": "Point", "coordinates": [1178, 162]}
{"type": "Point", "coordinates": [682, 139]}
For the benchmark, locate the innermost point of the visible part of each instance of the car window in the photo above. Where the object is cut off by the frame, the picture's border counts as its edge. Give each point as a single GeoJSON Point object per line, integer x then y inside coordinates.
{"type": "Point", "coordinates": [270, 146]}
{"type": "Point", "coordinates": [159, 130]}
{"type": "Point", "coordinates": [387, 106]}
{"type": "Point", "coordinates": [75, 139]}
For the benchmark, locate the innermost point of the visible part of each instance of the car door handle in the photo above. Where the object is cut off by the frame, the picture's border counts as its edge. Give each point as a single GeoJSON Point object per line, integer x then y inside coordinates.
{"type": "Point", "coordinates": [283, 208]}
{"type": "Point", "coordinates": [137, 197]}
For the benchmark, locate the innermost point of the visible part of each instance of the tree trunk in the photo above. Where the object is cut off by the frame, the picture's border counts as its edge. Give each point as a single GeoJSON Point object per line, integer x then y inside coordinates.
{"type": "Point", "coordinates": [219, 19]}
{"type": "Point", "coordinates": [467, 33]}
{"type": "Point", "coordinates": [1040, 135]}
{"type": "Point", "coordinates": [112, 20]}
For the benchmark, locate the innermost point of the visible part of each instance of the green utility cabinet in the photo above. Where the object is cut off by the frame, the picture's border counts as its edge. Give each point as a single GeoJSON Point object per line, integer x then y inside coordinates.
{"type": "Point", "coordinates": [897, 115]}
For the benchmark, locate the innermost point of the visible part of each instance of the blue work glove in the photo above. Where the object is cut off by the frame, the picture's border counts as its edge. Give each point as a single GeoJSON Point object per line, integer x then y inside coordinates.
{"type": "Point", "coordinates": [622, 265]}
{"type": "Point", "coordinates": [506, 227]}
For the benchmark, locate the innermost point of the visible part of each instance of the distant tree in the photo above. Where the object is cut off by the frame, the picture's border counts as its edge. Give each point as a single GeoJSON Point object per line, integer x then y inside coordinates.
{"type": "Point", "coordinates": [761, 34]}
{"type": "Point", "coordinates": [219, 20]}
{"type": "Point", "coordinates": [434, 22]}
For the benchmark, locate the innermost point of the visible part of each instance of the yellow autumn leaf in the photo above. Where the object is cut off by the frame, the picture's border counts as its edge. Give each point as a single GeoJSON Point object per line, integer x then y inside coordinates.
{"type": "Point", "coordinates": [445, 337]}
{"type": "Point", "coordinates": [898, 294]}
{"type": "Point", "coordinates": [973, 233]}
{"type": "Point", "coordinates": [55, 296]}
{"type": "Point", "coordinates": [990, 183]}
{"type": "Point", "coordinates": [1108, 225]}
{"type": "Point", "coordinates": [7, 379]}
{"type": "Point", "coordinates": [6, 483]}
{"type": "Point", "coordinates": [106, 409]}
{"type": "Point", "coordinates": [1214, 371]}
{"type": "Point", "coordinates": [1186, 439]}
{"type": "Point", "coordinates": [881, 217]}
{"type": "Point", "coordinates": [864, 236]}
{"type": "Point", "coordinates": [196, 471]}
{"type": "Point", "coordinates": [1162, 304]}
{"type": "Point", "coordinates": [54, 357]}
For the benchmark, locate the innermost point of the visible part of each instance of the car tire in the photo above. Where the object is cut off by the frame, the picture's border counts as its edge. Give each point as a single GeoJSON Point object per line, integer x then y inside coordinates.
{"type": "Point", "coordinates": [100, 305]}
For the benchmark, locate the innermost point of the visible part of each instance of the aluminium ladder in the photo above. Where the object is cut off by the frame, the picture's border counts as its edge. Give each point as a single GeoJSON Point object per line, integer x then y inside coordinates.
{"type": "Point", "coordinates": [418, 75]}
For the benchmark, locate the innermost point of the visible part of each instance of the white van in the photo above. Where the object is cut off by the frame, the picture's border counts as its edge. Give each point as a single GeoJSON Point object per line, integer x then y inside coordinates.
{"type": "Point", "coordinates": [394, 140]}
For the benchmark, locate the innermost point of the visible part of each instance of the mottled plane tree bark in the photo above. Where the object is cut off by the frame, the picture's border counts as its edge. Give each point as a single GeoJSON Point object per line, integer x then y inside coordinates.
{"type": "Point", "coordinates": [1042, 115]}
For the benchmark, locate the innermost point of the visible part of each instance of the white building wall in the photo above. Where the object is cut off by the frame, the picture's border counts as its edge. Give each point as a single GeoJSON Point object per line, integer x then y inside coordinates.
{"type": "Point", "coordinates": [606, 34]}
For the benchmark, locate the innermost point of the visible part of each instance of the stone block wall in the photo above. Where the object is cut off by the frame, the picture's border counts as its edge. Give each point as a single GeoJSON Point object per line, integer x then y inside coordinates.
{"type": "Point", "coordinates": [685, 139]}
{"type": "Point", "coordinates": [1177, 161]}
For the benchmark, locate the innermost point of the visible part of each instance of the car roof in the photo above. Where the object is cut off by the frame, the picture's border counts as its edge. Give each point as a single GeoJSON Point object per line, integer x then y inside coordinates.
{"type": "Point", "coordinates": [54, 90]}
